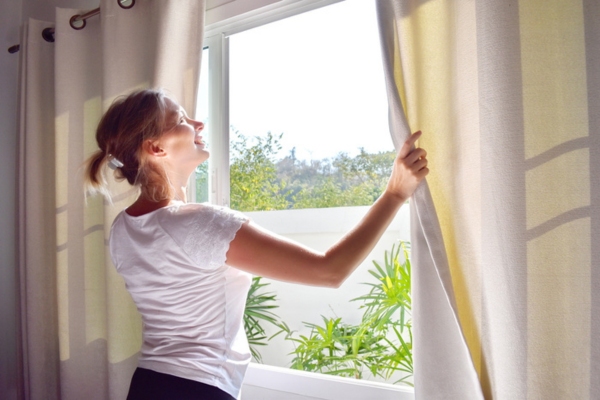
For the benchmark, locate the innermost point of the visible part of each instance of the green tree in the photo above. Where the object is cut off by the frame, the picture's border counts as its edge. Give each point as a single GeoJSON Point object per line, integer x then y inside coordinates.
{"type": "Point", "coordinates": [260, 181]}
{"type": "Point", "coordinates": [331, 193]}
{"type": "Point", "coordinates": [366, 173]}
{"type": "Point", "coordinates": [253, 174]}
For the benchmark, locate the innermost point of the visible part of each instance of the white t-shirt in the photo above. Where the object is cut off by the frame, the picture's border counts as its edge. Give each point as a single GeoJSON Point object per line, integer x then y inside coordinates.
{"type": "Point", "coordinates": [192, 303]}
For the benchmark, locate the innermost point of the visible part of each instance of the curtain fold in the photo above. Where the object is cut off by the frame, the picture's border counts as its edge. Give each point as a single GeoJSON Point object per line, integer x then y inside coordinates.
{"type": "Point", "coordinates": [440, 354]}
{"type": "Point", "coordinates": [38, 343]}
{"type": "Point", "coordinates": [81, 331]}
{"type": "Point", "coordinates": [507, 95]}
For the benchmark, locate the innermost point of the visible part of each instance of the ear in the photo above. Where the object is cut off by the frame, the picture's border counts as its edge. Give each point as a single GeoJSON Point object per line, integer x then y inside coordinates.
{"type": "Point", "coordinates": [153, 148]}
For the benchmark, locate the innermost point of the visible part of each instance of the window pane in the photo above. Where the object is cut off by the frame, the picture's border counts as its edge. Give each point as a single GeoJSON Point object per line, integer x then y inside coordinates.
{"type": "Point", "coordinates": [311, 88]}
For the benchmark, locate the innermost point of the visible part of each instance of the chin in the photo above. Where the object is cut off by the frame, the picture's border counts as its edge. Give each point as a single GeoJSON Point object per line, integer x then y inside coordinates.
{"type": "Point", "coordinates": [203, 155]}
{"type": "Point", "coordinates": [204, 159]}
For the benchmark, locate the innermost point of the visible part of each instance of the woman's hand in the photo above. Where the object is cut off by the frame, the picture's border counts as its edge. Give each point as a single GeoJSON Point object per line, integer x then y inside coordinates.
{"type": "Point", "coordinates": [410, 167]}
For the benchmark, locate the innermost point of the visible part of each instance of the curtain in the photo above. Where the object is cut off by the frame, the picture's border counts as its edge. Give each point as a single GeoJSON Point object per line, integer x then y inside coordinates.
{"type": "Point", "coordinates": [506, 232]}
{"type": "Point", "coordinates": [80, 331]}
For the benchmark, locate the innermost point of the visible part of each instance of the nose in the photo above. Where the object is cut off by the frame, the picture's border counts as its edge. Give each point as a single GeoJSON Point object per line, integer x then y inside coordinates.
{"type": "Point", "coordinates": [199, 125]}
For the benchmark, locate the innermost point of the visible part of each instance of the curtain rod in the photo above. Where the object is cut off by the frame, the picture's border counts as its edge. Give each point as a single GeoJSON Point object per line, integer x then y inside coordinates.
{"type": "Point", "coordinates": [77, 22]}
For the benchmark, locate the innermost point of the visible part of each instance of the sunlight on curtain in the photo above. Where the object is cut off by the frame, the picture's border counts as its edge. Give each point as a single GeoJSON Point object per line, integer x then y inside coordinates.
{"type": "Point", "coordinates": [557, 181]}
{"type": "Point", "coordinates": [507, 98]}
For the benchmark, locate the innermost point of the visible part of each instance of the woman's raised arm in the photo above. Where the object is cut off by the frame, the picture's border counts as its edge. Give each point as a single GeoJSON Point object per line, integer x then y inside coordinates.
{"type": "Point", "coordinates": [266, 254]}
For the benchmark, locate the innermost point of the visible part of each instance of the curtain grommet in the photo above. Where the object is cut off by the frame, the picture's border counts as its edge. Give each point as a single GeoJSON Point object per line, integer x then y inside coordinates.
{"type": "Point", "coordinates": [48, 35]}
{"type": "Point", "coordinates": [123, 4]}
{"type": "Point", "coordinates": [77, 19]}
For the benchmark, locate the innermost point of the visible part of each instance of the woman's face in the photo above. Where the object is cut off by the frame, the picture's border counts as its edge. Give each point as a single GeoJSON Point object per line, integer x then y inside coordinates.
{"type": "Point", "coordinates": [181, 141]}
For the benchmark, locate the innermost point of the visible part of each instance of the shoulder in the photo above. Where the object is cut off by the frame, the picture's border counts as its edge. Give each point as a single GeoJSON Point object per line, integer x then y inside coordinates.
{"type": "Point", "coordinates": [192, 222]}
{"type": "Point", "coordinates": [203, 230]}
{"type": "Point", "coordinates": [198, 213]}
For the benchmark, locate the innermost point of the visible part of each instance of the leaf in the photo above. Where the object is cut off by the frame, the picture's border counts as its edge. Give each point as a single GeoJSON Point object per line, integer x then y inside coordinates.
{"type": "Point", "coordinates": [258, 310]}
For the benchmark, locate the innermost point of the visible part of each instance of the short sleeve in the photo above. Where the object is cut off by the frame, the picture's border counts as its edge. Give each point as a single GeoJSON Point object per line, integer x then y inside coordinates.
{"type": "Point", "coordinates": [203, 231]}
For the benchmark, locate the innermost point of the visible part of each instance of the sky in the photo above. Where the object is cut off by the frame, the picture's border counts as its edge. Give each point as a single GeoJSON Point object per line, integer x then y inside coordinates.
{"type": "Point", "coordinates": [316, 77]}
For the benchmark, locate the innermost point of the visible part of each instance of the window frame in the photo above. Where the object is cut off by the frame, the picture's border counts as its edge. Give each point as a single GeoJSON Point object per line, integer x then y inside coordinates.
{"type": "Point", "coordinates": [223, 21]}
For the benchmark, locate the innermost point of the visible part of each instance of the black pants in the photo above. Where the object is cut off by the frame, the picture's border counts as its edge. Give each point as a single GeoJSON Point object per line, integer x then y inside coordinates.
{"type": "Point", "coordinates": [152, 385]}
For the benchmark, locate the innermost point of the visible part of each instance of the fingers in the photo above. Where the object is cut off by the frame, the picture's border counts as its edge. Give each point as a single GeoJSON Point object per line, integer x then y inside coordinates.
{"type": "Point", "coordinates": [422, 173]}
{"type": "Point", "coordinates": [420, 165]}
{"type": "Point", "coordinates": [410, 167]}
{"type": "Point", "coordinates": [415, 155]}
{"type": "Point", "coordinates": [412, 158]}
{"type": "Point", "coordinates": [408, 145]}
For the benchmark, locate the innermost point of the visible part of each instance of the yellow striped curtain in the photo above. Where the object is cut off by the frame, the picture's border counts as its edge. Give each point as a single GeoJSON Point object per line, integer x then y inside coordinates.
{"type": "Point", "coordinates": [507, 94]}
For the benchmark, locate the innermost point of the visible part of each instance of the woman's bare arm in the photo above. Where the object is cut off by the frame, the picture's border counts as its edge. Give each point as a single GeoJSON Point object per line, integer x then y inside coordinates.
{"type": "Point", "coordinates": [266, 254]}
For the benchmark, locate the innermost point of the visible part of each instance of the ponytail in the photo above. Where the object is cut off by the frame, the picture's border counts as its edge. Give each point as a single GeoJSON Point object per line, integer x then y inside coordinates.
{"type": "Point", "coordinates": [95, 179]}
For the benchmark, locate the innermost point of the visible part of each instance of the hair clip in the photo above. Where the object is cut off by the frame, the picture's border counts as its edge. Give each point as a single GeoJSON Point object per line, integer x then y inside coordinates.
{"type": "Point", "coordinates": [113, 163]}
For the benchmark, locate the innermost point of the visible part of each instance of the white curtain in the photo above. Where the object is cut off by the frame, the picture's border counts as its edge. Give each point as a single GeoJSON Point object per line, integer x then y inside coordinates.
{"type": "Point", "coordinates": [507, 264]}
{"type": "Point", "coordinates": [443, 368]}
{"type": "Point", "coordinates": [80, 332]}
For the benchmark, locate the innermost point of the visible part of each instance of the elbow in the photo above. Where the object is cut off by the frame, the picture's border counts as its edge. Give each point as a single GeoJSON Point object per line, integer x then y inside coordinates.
{"type": "Point", "coordinates": [336, 283]}
{"type": "Point", "coordinates": [333, 280]}
{"type": "Point", "coordinates": [331, 273]}
{"type": "Point", "coordinates": [325, 277]}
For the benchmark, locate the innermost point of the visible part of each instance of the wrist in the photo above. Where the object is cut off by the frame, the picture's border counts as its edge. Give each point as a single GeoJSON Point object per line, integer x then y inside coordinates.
{"type": "Point", "coordinates": [392, 197]}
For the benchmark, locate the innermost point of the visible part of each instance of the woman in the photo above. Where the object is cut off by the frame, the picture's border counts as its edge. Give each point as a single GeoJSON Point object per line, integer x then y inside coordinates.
{"type": "Point", "coordinates": [188, 266]}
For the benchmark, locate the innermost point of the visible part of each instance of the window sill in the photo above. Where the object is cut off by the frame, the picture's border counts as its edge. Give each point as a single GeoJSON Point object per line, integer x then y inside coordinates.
{"type": "Point", "coordinates": [264, 382]}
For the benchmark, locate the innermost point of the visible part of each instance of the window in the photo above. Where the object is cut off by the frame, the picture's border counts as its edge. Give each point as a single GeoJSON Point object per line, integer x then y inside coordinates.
{"type": "Point", "coordinates": [310, 86]}
{"type": "Point", "coordinates": [200, 192]}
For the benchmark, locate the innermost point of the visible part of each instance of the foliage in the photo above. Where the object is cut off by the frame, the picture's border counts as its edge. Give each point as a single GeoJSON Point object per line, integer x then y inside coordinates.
{"type": "Point", "coordinates": [381, 343]}
{"type": "Point", "coordinates": [388, 308]}
{"type": "Point", "coordinates": [259, 181]}
{"type": "Point", "coordinates": [332, 349]}
{"type": "Point", "coordinates": [329, 193]}
{"type": "Point", "coordinates": [259, 306]}
{"type": "Point", "coordinates": [392, 292]}
{"type": "Point", "coordinates": [253, 175]}
{"type": "Point", "coordinates": [369, 170]}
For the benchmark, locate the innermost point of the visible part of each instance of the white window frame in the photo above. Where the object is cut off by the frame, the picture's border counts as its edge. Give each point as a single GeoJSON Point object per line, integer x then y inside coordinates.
{"type": "Point", "coordinates": [224, 19]}
{"type": "Point", "coordinates": [266, 382]}
{"type": "Point", "coordinates": [218, 115]}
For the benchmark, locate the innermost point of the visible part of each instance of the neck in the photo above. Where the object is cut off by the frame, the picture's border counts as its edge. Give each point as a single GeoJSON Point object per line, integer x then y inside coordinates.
{"type": "Point", "coordinates": [143, 206]}
{"type": "Point", "coordinates": [178, 183]}
{"type": "Point", "coordinates": [180, 193]}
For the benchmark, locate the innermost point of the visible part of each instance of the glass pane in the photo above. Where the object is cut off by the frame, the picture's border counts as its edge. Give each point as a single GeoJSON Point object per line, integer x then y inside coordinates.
{"type": "Point", "coordinates": [308, 111]}
{"type": "Point", "coordinates": [201, 176]}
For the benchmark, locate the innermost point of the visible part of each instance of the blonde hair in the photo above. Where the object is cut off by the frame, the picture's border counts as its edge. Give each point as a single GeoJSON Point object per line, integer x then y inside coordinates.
{"type": "Point", "coordinates": [126, 125]}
